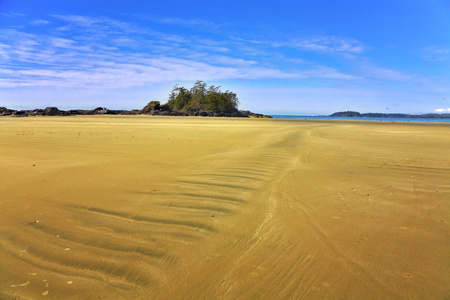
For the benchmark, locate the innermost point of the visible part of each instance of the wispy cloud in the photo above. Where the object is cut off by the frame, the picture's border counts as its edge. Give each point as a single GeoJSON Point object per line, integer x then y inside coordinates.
{"type": "Point", "coordinates": [329, 44]}
{"type": "Point", "coordinates": [330, 73]}
{"type": "Point", "coordinates": [322, 44]}
{"type": "Point", "coordinates": [12, 14]}
{"type": "Point", "coordinates": [79, 20]}
{"type": "Point", "coordinates": [40, 22]}
{"type": "Point", "coordinates": [87, 56]}
{"type": "Point", "coordinates": [106, 74]}
{"type": "Point", "coordinates": [436, 54]}
{"type": "Point", "coordinates": [190, 23]}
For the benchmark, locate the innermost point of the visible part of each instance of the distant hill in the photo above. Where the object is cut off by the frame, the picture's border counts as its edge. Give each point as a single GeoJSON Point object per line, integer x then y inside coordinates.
{"type": "Point", "coordinates": [383, 115]}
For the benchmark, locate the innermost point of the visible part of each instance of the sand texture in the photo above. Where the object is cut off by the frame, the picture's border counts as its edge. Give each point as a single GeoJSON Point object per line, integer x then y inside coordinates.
{"type": "Point", "coordinates": [139, 207]}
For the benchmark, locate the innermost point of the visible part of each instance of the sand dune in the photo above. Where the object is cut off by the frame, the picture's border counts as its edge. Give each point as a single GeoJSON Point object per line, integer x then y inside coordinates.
{"type": "Point", "coordinates": [208, 208]}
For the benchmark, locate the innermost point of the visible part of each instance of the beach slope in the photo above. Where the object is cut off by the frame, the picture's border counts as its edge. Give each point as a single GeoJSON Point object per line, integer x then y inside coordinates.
{"type": "Point", "coordinates": [107, 207]}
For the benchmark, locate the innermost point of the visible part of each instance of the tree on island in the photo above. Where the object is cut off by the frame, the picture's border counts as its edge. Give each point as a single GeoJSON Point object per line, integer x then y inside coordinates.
{"type": "Point", "coordinates": [347, 113]}
{"type": "Point", "coordinates": [202, 98]}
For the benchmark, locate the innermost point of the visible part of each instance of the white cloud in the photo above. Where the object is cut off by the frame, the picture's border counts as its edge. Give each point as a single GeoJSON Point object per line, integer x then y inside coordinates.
{"type": "Point", "coordinates": [442, 110]}
{"type": "Point", "coordinates": [110, 75]}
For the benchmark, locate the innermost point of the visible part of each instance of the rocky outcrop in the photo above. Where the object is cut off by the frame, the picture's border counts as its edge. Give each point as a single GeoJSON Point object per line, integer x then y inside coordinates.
{"type": "Point", "coordinates": [6, 112]}
{"type": "Point", "coordinates": [200, 113]}
{"type": "Point", "coordinates": [53, 111]}
{"type": "Point", "coordinates": [260, 116]}
{"type": "Point", "coordinates": [156, 110]}
{"type": "Point", "coordinates": [19, 113]}
{"type": "Point", "coordinates": [101, 110]}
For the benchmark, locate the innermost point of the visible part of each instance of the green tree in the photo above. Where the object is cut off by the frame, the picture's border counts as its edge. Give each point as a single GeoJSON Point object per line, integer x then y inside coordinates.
{"type": "Point", "coordinates": [179, 98]}
{"type": "Point", "coordinates": [198, 92]}
{"type": "Point", "coordinates": [200, 97]}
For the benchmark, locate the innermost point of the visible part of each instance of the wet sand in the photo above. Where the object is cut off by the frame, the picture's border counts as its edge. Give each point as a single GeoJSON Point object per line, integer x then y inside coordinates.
{"type": "Point", "coordinates": [145, 207]}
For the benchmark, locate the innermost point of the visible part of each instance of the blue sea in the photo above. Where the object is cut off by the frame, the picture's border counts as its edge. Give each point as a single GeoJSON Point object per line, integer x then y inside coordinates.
{"type": "Point", "coordinates": [361, 118]}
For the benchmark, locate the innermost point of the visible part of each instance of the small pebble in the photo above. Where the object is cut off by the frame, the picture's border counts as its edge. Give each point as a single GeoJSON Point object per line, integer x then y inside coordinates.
{"type": "Point", "coordinates": [36, 221]}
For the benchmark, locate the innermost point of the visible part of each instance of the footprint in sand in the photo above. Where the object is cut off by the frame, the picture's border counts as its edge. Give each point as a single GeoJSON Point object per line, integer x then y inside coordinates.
{"type": "Point", "coordinates": [407, 275]}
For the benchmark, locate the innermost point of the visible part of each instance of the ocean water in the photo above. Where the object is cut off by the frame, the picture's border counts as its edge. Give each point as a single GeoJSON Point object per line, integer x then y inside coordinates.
{"type": "Point", "coordinates": [361, 118]}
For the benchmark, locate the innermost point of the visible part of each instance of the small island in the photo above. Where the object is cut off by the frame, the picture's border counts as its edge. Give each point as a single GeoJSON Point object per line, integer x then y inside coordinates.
{"type": "Point", "coordinates": [200, 100]}
{"type": "Point", "coordinates": [384, 115]}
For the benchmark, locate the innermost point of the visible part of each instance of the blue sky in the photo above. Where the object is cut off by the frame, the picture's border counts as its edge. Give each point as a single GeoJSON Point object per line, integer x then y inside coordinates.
{"type": "Point", "coordinates": [279, 57]}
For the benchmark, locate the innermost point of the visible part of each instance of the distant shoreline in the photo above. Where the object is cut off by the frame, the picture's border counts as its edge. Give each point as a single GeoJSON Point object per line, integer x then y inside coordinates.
{"type": "Point", "coordinates": [361, 119]}
{"type": "Point", "coordinates": [346, 115]}
{"type": "Point", "coordinates": [352, 114]}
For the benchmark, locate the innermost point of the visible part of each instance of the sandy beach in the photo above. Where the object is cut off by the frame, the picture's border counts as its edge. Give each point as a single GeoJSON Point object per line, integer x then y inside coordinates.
{"type": "Point", "coordinates": [140, 207]}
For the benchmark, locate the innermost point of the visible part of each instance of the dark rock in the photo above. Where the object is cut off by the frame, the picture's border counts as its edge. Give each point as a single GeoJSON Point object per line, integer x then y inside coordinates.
{"type": "Point", "coordinates": [101, 110]}
{"type": "Point", "coordinates": [260, 116]}
{"type": "Point", "coordinates": [245, 113]}
{"type": "Point", "coordinates": [151, 107]}
{"type": "Point", "coordinates": [37, 112]}
{"type": "Point", "coordinates": [6, 112]}
{"type": "Point", "coordinates": [77, 112]}
{"type": "Point", "coordinates": [20, 113]}
{"type": "Point", "coordinates": [51, 111]}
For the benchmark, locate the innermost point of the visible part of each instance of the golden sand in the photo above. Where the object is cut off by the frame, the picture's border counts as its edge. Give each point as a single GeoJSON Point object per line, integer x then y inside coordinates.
{"type": "Point", "coordinates": [208, 208]}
